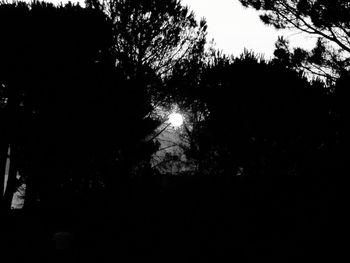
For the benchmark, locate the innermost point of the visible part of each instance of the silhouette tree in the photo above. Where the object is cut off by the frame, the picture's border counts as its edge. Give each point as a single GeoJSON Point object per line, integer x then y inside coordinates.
{"type": "Point", "coordinates": [53, 58]}
{"type": "Point", "coordinates": [257, 126]}
{"type": "Point", "coordinates": [180, 90]}
{"type": "Point", "coordinates": [156, 34]}
{"type": "Point", "coordinates": [326, 19]}
{"type": "Point", "coordinates": [11, 96]}
{"type": "Point", "coordinates": [150, 39]}
{"type": "Point", "coordinates": [71, 89]}
{"type": "Point", "coordinates": [260, 146]}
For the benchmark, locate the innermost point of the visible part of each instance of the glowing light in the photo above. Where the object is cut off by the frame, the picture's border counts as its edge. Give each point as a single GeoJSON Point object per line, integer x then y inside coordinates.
{"type": "Point", "coordinates": [176, 119]}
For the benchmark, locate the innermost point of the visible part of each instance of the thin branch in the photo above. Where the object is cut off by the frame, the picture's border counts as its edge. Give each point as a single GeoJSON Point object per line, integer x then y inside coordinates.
{"type": "Point", "coordinates": [157, 134]}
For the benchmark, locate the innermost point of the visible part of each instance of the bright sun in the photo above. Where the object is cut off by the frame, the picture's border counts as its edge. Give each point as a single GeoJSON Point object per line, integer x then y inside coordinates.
{"type": "Point", "coordinates": [176, 119]}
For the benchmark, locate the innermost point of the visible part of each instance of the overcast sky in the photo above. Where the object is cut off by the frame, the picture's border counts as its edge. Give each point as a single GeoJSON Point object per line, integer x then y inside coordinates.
{"type": "Point", "coordinates": [234, 27]}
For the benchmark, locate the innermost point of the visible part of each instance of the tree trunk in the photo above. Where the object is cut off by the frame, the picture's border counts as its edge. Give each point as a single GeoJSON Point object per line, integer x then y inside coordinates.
{"type": "Point", "coordinates": [3, 159]}
{"type": "Point", "coordinates": [3, 154]}
{"type": "Point", "coordinates": [11, 180]}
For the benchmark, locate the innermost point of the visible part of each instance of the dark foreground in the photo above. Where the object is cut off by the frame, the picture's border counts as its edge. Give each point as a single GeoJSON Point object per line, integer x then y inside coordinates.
{"type": "Point", "coordinates": [185, 221]}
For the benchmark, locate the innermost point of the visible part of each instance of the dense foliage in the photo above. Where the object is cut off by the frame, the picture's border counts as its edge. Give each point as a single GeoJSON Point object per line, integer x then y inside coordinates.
{"type": "Point", "coordinates": [326, 19]}
{"type": "Point", "coordinates": [263, 145]}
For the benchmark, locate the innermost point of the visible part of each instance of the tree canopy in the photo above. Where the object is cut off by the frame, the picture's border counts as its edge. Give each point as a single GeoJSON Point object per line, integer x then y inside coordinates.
{"type": "Point", "coordinates": [155, 34]}
{"type": "Point", "coordinates": [326, 19]}
{"type": "Point", "coordinates": [62, 99]}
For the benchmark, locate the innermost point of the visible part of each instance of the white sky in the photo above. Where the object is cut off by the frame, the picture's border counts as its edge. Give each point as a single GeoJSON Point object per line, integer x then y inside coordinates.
{"type": "Point", "coordinates": [234, 27]}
